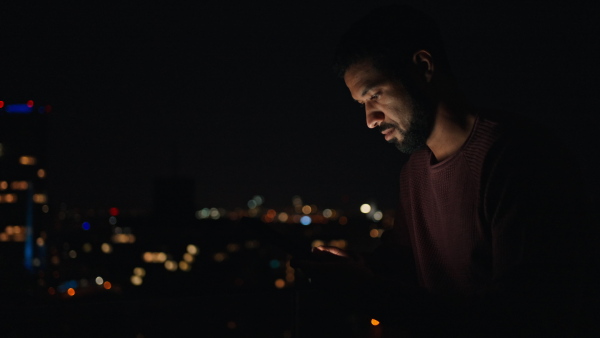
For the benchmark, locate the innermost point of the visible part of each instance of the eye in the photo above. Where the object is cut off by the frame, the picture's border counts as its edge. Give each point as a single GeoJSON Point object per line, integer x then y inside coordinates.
{"type": "Point", "coordinates": [375, 96]}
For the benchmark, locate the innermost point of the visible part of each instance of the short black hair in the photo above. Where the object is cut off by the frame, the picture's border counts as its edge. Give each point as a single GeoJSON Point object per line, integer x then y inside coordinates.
{"type": "Point", "coordinates": [388, 36]}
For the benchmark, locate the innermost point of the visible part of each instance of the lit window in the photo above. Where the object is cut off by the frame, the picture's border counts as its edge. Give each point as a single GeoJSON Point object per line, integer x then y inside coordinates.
{"type": "Point", "coordinates": [19, 185]}
{"type": "Point", "coordinates": [40, 198]}
{"type": "Point", "coordinates": [27, 160]}
{"type": "Point", "coordinates": [9, 198]}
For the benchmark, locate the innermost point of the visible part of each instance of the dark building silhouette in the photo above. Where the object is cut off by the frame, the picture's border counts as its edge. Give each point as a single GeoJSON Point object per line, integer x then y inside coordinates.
{"type": "Point", "coordinates": [24, 211]}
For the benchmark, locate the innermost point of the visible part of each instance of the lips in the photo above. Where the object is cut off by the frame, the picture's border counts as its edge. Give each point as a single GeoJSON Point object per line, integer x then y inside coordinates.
{"type": "Point", "coordinates": [387, 134]}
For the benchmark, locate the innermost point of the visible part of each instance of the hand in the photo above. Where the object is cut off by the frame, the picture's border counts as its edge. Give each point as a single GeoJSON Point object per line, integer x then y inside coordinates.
{"type": "Point", "coordinates": [332, 267]}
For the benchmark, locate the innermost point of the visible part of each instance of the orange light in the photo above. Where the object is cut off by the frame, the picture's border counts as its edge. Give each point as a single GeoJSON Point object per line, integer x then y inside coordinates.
{"type": "Point", "coordinates": [107, 285]}
{"type": "Point", "coordinates": [374, 322]}
{"type": "Point", "coordinates": [280, 283]}
{"type": "Point", "coordinates": [71, 292]}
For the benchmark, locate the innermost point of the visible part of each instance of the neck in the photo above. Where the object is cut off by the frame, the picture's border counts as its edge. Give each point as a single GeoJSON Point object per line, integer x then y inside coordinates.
{"type": "Point", "coordinates": [454, 120]}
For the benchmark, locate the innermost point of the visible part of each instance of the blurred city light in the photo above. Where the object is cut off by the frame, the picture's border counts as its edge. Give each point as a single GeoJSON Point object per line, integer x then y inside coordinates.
{"type": "Point", "coordinates": [113, 211]}
{"type": "Point", "coordinates": [106, 248]}
{"type": "Point", "coordinates": [365, 208]}
{"type": "Point", "coordinates": [27, 160]}
{"type": "Point", "coordinates": [279, 283]}
{"type": "Point", "coordinates": [305, 220]}
{"type": "Point", "coordinates": [192, 249]}
{"type": "Point", "coordinates": [136, 280]}
{"type": "Point", "coordinates": [377, 215]}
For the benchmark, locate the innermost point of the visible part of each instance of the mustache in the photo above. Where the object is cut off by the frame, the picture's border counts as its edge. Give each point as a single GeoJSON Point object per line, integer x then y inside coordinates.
{"type": "Point", "coordinates": [386, 125]}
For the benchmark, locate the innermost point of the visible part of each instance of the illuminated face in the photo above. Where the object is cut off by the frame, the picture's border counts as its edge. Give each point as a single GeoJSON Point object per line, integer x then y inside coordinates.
{"type": "Point", "coordinates": [398, 111]}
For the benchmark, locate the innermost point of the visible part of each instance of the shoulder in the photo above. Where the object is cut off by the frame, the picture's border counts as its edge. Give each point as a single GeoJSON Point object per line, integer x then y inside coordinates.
{"type": "Point", "coordinates": [521, 141]}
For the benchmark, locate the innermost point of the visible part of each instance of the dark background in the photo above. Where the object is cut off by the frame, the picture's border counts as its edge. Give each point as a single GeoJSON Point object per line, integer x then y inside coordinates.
{"type": "Point", "coordinates": [240, 96]}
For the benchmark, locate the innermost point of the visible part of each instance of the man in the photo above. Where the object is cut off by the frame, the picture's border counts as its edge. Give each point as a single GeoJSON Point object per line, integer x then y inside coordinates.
{"type": "Point", "coordinates": [488, 234]}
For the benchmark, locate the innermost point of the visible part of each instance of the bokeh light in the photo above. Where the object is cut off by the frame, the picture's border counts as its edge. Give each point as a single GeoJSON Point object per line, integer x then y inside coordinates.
{"type": "Point", "coordinates": [305, 220]}
{"type": "Point", "coordinates": [279, 283]}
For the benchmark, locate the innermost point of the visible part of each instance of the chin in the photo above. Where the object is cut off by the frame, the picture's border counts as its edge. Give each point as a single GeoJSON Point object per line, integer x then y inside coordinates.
{"type": "Point", "coordinates": [406, 147]}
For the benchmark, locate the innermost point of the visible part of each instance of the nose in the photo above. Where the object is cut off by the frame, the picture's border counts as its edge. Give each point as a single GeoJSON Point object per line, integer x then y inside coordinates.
{"type": "Point", "coordinates": [374, 116]}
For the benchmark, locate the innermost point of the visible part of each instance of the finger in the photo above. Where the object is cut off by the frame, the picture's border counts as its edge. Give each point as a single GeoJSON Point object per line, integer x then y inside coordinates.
{"type": "Point", "coordinates": [331, 249]}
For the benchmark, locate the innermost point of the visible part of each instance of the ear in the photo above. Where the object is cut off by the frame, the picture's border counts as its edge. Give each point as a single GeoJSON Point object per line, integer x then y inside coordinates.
{"type": "Point", "coordinates": [424, 62]}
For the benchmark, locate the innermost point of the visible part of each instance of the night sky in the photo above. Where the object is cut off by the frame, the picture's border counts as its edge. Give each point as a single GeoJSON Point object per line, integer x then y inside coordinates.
{"type": "Point", "coordinates": [240, 97]}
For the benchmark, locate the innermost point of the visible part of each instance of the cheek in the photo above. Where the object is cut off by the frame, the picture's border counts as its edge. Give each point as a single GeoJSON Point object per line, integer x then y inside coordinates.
{"type": "Point", "coordinates": [398, 112]}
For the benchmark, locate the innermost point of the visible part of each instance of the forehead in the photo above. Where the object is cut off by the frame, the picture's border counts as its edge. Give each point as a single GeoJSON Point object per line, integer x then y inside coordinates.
{"type": "Point", "coordinates": [362, 75]}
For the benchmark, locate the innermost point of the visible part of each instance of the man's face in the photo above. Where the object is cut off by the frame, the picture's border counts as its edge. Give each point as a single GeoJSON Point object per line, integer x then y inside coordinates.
{"type": "Point", "coordinates": [397, 110]}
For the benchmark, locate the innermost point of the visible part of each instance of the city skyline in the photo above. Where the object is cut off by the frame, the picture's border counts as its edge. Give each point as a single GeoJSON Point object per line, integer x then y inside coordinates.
{"type": "Point", "coordinates": [247, 106]}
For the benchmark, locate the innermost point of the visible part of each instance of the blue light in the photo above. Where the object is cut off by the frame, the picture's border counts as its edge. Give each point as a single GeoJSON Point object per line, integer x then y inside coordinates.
{"type": "Point", "coordinates": [305, 220]}
{"type": "Point", "coordinates": [274, 264]}
{"type": "Point", "coordinates": [18, 108]}
{"type": "Point", "coordinates": [86, 225]}
{"type": "Point", "coordinates": [67, 285]}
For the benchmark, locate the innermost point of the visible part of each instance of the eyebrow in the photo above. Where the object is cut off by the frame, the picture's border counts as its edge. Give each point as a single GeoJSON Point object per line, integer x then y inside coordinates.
{"type": "Point", "coordinates": [370, 86]}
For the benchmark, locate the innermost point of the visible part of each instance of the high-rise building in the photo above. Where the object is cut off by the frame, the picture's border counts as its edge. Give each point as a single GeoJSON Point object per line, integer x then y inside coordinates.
{"type": "Point", "coordinates": [24, 211]}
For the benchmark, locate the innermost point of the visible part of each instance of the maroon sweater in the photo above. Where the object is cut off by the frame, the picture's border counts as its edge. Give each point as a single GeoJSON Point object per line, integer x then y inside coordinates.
{"type": "Point", "coordinates": [485, 241]}
{"type": "Point", "coordinates": [442, 211]}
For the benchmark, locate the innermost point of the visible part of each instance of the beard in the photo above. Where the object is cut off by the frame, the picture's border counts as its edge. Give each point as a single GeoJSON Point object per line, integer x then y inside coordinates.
{"type": "Point", "coordinates": [420, 125]}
